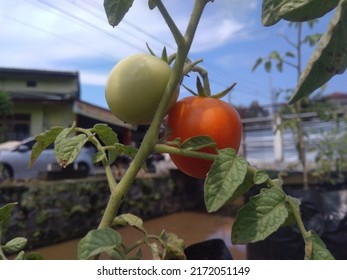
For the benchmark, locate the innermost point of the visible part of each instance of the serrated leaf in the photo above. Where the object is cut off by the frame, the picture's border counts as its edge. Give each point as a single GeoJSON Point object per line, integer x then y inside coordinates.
{"type": "Point", "coordinates": [33, 256]}
{"type": "Point", "coordinates": [98, 241]}
{"type": "Point", "coordinates": [260, 177]}
{"type": "Point", "coordinates": [291, 220]}
{"type": "Point", "coordinates": [66, 150]}
{"type": "Point", "coordinates": [99, 156]}
{"type": "Point", "coordinates": [128, 220]}
{"type": "Point", "coordinates": [15, 245]}
{"type": "Point", "coordinates": [28, 256]}
{"type": "Point", "coordinates": [260, 217]}
{"type": "Point", "coordinates": [299, 10]}
{"type": "Point", "coordinates": [108, 137]}
{"type": "Point", "coordinates": [315, 248]}
{"type": "Point", "coordinates": [174, 247]}
{"type": "Point", "coordinates": [116, 10]}
{"type": "Point", "coordinates": [329, 58]}
{"type": "Point", "coordinates": [5, 215]}
{"type": "Point", "coordinates": [125, 150]}
{"type": "Point", "coordinates": [43, 140]}
{"type": "Point", "coordinates": [278, 182]}
{"type": "Point", "coordinates": [198, 142]}
{"type": "Point", "coordinates": [151, 4]}
{"type": "Point", "coordinates": [226, 174]}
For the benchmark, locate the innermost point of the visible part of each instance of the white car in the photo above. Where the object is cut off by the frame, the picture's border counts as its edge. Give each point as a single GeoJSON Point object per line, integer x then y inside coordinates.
{"type": "Point", "coordinates": [14, 161]}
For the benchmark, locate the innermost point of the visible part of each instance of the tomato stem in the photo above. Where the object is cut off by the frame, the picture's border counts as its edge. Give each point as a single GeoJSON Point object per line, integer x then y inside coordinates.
{"type": "Point", "coordinates": [162, 148]}
{"type": "Point", "coordinates": [151, 137]}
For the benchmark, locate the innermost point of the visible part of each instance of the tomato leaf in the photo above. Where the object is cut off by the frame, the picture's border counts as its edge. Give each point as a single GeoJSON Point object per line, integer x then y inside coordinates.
{"type": "Point", "coordinates": [66, 149]}
{"type": "Point", "coordinates": [260, 177]}
{"type": "Point", "coordinates": [315, 248]}
{"type": "Point", "coordinates": [116, 10]}
{"type": "Point", "coordinates": [299, 10]}
{"type": "Point", "coordinates": [98, 241]}
{"type": "Point", "coordinates": [43, 140]}
{"type": "Point", "coordinates": [5, 215]}
{"type": "Point", "coordinates": [260, 217]}
{"type": "Point", "coordinates": [15, 245]}
{"type": "Point", "coordinates": [198, 142]}
{"type": "Point", "coordinates": [328, 59]}
{"type": "Point", "coordinates": [227, 173]}
{"type": "Point", "coordinates": [128, 220]}
{"type": "Point", "coordinates": [174, 246]}
{"type": "Point", "coordinates": [108, 137]}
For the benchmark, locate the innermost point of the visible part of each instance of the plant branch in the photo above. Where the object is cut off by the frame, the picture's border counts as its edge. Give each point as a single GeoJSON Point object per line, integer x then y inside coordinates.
{"type": "Point", "coordinates": [151, 137]}
{"type": "Point", "coordinates": [171, 24]}
{"type": "Point", "coordinates": [109, 174]}
{"type": "Point", "coordinates": [162, 148]}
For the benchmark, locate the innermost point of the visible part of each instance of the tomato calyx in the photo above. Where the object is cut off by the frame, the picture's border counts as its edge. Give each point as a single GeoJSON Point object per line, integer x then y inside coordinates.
{"type": "Point", "coordinates": [203, 88]}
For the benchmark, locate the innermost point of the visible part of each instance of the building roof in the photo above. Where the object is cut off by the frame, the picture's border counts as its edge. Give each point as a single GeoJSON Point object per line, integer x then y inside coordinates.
{"type": "Point", "coordinates": [41, 72]}
{"type": "Point", "coordinates": [98, 113]}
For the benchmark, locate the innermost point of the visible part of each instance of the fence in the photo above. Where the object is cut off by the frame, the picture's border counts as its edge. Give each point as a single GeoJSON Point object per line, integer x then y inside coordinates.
{"type": "Point", "coordinates": [264, 144]}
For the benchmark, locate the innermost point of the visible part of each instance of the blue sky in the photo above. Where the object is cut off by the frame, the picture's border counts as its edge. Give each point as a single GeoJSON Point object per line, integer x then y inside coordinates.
{"type": "Point", "coordinates": [73, 35]}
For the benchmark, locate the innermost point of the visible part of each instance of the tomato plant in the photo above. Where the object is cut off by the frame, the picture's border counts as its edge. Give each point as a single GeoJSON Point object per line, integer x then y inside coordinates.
{"type": "Point", "coordinates": [135, 87]}
{"type": "Point", "coordinates": [203, 116]}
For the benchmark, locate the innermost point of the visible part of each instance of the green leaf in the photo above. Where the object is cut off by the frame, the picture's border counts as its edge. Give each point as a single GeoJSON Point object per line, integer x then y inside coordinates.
{"type": "Point", "coordinates": [329, 58]}
{"type": "Point", "coordinates": [198, 142]}
{"type": "Point", "coordinates": [164, 56]}
{"type": "Point", "coordinates": [116, 10]}
{"type": "Point", "coordinates": [267, 66]}
{"type": "Point", "coordinates": [298, 10]}
{"type": "Point", "coordinates": [5, 215]}
{"type": "Point", "coordinates": [98, 241]}
{"type": "Point", "coordinates": [43, 140]}
{"type": "Point", "coordinates": [290, 54]}
{"type": "Point", "coordinates": [227, 173]}
{"type": "Point", "coordinates": [67, 149]}
{"type": "Point", "coordinates": [312, 39]}
{"type": "Point", "coordinates": [257, 63]}
{"type": "Point", "coordinates": [174, 247]}
{"type": "Point", "coordinates": [15, 245]}
{"type": "Point", "coordinates": [260, 177]}
{"type": "Point", "coordinates": [150, 50]}
{"type": "Point", "coordinates": [275, 55]}
{"type": "Point", "coordinates": [291, 220]}
{"type": "Point", "coordinates": [99, 156]}
{"type": "Point", "coordinates": [151, 4]}
{"type": "Point", "coordinates": [125, 150]}
{"type": "Point", "coordinates": [108, 137]}
{"type": "Point", "coordinates": [260, 217]}
{"type": "Point", "coordinates": [32, 256]}
{"type": "Point", "coordinates": [315, 248]}
{"type": "Point", "coordinates": [200, 88]}
{"type": "Point", "coordinates": [128, 219]}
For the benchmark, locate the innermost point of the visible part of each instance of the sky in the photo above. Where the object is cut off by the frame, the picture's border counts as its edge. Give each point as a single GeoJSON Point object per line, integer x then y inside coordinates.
{"type": "Point", "coordinates": [74, 35]}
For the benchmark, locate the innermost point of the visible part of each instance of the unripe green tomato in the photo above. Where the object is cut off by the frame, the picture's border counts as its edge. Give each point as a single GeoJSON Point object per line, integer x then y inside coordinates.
{"type": "Point", "coordinates": [135, 87]}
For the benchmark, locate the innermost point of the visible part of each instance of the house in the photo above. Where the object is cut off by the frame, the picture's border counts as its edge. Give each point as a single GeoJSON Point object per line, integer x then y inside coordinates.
{"type": "Point", "coordinates": [43, 99]}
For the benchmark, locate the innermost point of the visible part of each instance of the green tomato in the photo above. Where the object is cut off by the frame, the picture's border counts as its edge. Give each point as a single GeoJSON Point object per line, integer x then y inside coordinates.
{"type": "Point", "coordinates": [135, 87]}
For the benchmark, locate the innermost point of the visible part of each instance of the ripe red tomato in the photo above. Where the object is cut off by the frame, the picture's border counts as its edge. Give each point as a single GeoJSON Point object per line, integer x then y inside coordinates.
{"type": "Point", "coordinates": [203, 116]}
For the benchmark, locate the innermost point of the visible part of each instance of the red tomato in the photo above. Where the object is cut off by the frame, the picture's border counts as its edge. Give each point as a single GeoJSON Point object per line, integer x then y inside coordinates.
{"type": "Point", "coordinates": [203, 116]}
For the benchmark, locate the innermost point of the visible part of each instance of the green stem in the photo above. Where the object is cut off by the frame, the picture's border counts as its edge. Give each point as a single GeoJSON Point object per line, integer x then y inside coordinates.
{"type": "Point", "coordinates": [297, 215]}
{"type": "Point", "coordinates": [151, 137]}
{"type": "Point", "coordinates": [162, 148]}
{"type": "Point", "coordinates": [2, 255]}
{"type": "Point", "coordinates": [108, 171]}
